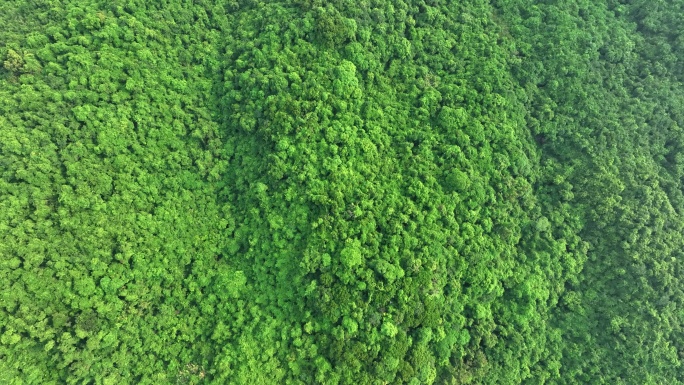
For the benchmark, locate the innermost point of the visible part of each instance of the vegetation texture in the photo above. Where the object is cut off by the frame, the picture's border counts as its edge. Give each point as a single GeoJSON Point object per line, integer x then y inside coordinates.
{"type": "Point", "coordinates": [341, 192]}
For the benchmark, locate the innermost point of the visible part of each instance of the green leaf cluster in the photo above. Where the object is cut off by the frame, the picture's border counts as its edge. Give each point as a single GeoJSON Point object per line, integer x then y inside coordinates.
{"type": "Point", "coordinates": [347, 192]}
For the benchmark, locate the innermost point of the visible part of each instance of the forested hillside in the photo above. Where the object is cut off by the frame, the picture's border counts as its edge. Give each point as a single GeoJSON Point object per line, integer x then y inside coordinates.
{"type": "Point", "coordinates": [341, 192]}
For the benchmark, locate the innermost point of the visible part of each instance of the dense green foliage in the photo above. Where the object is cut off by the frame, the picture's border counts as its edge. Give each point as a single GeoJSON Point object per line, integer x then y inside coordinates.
{"type": "Point", "coordinates": [344, 192]}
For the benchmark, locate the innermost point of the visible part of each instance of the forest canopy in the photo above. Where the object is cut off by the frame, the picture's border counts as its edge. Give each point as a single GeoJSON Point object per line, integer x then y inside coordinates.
{"type": "Point", "coordinates": [342, 192]}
